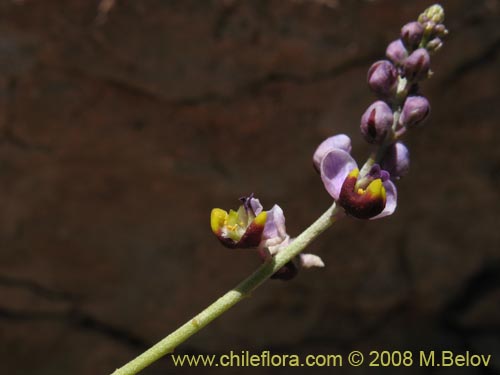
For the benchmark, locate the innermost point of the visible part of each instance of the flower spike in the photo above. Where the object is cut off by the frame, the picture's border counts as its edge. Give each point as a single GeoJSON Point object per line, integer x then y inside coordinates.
{"type": "Point", "coordinates": [369, 192]}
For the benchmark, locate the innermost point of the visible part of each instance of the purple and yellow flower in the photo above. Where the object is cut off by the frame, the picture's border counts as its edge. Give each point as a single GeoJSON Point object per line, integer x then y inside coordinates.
{"type": "Point", "coordinates": [242, 228]}
{"type": "Point", "coordinates": [252, 227]}
{"type": "Point", "coordinates": [371, 195]}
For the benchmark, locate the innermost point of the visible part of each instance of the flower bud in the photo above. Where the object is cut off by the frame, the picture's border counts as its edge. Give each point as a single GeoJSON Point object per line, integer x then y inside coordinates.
{"type": "Point", "coordinates": [376, 122]}
{"type": "Point", "coordinates": [411, 34]}
{"type": "Point", "coordinates": [417, 65]}
{"type": "Point", "coordinates": [415, 111]}
{"type": "Point", "coordinates": [435, 13]}
{"type": "Point", "coordinates": [429, 28]}
{"type": "Point", "coordinates": [396, 160]}
{"type": "Point", "coordinates": [434, 45]}
{"type": "Point", "coordinates": [383, 78]}
{"type": "Point", "coordinates": [396, 52]}
{"type": "Point", "coordinates": [422, 19]}
{"type": "Point", "coordinates": [440, 30]}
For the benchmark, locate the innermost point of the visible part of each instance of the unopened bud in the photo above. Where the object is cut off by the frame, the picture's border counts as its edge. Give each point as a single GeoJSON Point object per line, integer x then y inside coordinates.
{"type": "Point", "coordinates": [429, 27]}
{"type": "Point", "coordinates": [415, 111]}
{"type": "Point", "coordinates": [434, 13]}
{"type": "Point", "coordinates": [396, 160]}
{"type": "Point", "coordinates": [376, 122]}
{"type": "Point", "coordinates": [417, 65]}
{"type": "Point", "coordinates": [396, 52]}
{"type": "Point", "coordinates": [422, 18]}
{"type": "Point", "coordinates": [383, 78]}
{"type": "Point", "coordinates": [440, 30]}
{"type": "Point", "coordinates": [434, 45]}
{"type": "Point", "coordinates": [411, 34]}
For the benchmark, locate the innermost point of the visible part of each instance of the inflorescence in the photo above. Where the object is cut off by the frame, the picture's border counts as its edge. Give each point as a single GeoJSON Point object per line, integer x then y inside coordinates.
{"type": "Point", "coordinates": [368, 192]}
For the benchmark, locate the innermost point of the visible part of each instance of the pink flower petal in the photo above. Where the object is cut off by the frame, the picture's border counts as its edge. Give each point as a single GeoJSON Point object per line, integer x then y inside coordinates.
{"type": "Point", "coordinates": [391, 200]}
{"type": "Point", "coordinates": [339, 141]}
{"type": "Point", "coordinates": [334, 169]}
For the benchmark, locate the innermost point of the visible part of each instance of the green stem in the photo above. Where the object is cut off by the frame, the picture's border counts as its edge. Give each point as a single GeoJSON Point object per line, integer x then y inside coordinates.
{"type": "Point", "coordinates": [231, 298]}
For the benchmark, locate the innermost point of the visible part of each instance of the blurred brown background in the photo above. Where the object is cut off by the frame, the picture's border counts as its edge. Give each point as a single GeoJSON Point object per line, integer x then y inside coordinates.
{"type": "Point", "coordinates": [123, 123]}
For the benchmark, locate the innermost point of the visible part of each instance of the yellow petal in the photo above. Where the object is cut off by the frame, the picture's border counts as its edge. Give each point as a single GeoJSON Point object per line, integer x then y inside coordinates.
{"type": "Point", "coordinates": [261, 218]}
{"type": "Point", "coordinates": [354, 173]}
{"type": "Point", "coordinates": [218, 218]}
{"type": "Point", "coordinates": [376, 189]}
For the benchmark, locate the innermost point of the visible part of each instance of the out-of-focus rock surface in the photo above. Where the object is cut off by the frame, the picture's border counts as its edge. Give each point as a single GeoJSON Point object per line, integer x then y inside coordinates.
{"type": "Point", "coordinates": [121, 128]}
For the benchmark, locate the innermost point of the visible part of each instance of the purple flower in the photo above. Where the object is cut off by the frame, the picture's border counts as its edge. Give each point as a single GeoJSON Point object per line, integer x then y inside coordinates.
{"type": "Point", "coordinates": [274, 236]}
{"type": "Point", "coordinates": [369, 196]}
{"type": "Point", "coordinates": [252, 227]}
{"type": "Point", "coordinates": [242, 228]}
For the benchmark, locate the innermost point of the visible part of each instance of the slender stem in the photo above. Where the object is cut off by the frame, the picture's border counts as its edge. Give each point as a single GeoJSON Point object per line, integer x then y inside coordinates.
{"type": "Point", "coordinates": [228, 300]}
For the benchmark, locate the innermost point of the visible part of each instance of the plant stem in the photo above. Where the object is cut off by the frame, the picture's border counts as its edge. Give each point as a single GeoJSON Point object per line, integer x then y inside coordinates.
{"type": "Point", "coordinates": [228, 300]}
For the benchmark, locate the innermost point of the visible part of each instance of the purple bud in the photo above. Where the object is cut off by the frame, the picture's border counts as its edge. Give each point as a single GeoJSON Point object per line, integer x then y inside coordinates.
{"type": "Point", "coordinates": [396, 161]}
{"type": "Point", "coordinates": [411, 34]}
{"type": "Point", "coordinates": [383, 78]}
{"type": "Point", "coordinates": [415, 111]}
{"type": "Point", "coordinates": [417, 65]}
{"type": "Point", "coordinates": [376, 122]}
{"type": "Point", "coordinates": [396, 52]}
